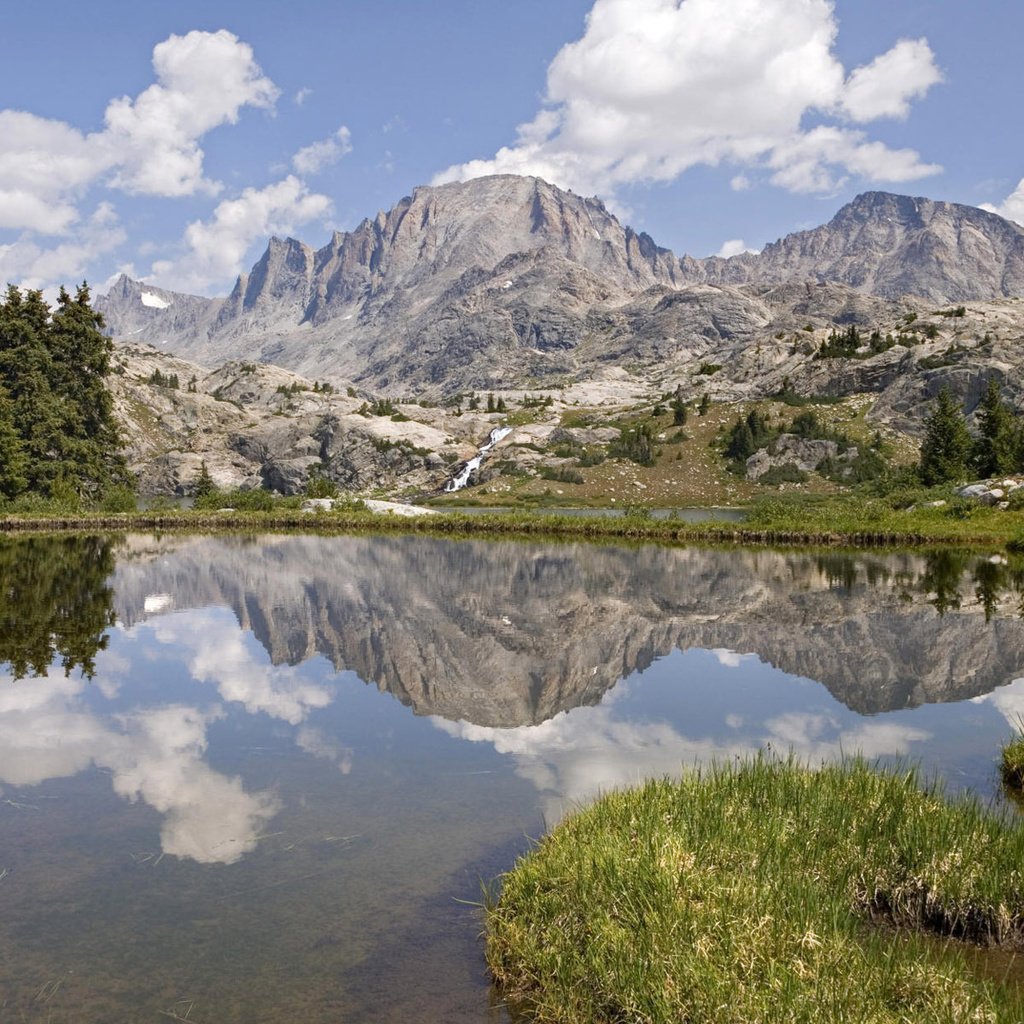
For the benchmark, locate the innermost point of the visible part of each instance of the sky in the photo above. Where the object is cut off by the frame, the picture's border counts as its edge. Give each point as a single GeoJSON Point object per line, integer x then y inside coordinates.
{"type": "Point", "coordinates": [170, 141]}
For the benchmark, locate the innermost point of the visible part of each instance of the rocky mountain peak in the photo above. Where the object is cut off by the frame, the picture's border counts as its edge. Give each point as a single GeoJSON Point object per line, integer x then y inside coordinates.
{"type": "Point", "coordinates": [504, 279]}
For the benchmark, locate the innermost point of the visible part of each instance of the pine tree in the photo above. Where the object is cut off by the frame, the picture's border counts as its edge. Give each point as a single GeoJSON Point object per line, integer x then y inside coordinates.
{"type": "Point", "coordinates": [994, 451]}
{"type": "Point", "coordinates": [13, 461]}
{"type": "Point", "coordinates": [946, 447]}
{"type": "Point", "coordinates": [53, 367]}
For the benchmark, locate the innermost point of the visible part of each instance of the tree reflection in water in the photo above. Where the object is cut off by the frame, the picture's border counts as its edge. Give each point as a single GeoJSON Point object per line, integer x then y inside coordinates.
{"type": "Point", "coordinates": [56, 603]}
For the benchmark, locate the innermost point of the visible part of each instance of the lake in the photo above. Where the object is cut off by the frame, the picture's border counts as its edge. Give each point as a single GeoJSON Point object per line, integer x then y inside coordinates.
{"type": "Point", "coordinates": [262, 778]}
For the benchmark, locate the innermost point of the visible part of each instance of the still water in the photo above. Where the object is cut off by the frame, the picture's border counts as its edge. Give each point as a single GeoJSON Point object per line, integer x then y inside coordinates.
{"type": "Point", "coordinates": [257, 779]}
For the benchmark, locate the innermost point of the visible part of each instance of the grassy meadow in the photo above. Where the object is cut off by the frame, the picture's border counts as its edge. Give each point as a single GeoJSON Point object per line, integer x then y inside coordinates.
{"type": "Point", "coordinates": [764, 891]}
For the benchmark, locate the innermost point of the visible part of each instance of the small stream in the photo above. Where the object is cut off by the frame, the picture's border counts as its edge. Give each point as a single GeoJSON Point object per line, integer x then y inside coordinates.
{"type": "Point", "coordinates": [461, 479]}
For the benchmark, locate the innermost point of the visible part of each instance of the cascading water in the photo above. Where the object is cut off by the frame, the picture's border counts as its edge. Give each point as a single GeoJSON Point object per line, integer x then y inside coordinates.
{"type": "Point", "coordinates": [461, 478]}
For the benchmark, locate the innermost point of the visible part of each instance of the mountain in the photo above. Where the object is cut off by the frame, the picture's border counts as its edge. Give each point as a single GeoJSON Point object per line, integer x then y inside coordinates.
{"type": "Point", "coordinates": [890, 246]}
{"type": "Point", "coordinates": [509, 281]}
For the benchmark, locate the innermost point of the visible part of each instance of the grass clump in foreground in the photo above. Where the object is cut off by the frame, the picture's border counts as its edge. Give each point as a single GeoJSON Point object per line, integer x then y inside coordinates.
{"type": "Point", "coordinates": [764, 892]}
{"type": "Point", "coordinates": [1011, 761]}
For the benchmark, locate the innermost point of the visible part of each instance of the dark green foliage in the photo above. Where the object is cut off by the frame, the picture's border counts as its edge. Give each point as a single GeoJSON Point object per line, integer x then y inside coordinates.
{"type": "Point", "coordinates": [118, 498]}
{"type": "Point", "coordinates": [679, 412]}
{"type": "Point", "coordinates": [530, 402]}
{"type": "Point", "coordinates": [53, 370]}
{"type": "Point", "coordinates": [319, 486]}
{"type": "Point", "coordinates": [705, 404]}
{"type": "Point", "coordinates": [590, 457]}
{"type": "Point", "coordinates": [868, 466]}
{"type": "Point", "coordinates": [747, 436]}
{"type": "Point", "coordinates": [563, 474]}
{"type": "Point", "coordinates": [708, 369]}
{"type": "Point", "coordinates": [204, 484]}
{"type": "Point", "coordinates": [162, 380]}
{"type": "Point", "coordinates": [255, 500]}
{"type": "Point", "coordinates": [788, 473]}
{"type": "Point", "coordinates": [841, 344]}
{"type": "Point", "coordinates": [947, 445]}
{"type": "Point", "coordinates": [634, 443]}
{"type": "Point", "coordinates": [995, 450]}
{"type": "Point", "coordinates": [55, 603]}
{"type": "Point", "coordinates": [13, 459]}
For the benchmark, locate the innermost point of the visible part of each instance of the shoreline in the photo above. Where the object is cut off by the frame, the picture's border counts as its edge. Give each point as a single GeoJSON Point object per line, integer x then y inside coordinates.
{"type": "Point", "coordinates": [931, 531]}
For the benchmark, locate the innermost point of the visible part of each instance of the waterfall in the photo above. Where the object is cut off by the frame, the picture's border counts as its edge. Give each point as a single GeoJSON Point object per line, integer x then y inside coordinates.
{"type": "Point", "coordinates": [461, 478]}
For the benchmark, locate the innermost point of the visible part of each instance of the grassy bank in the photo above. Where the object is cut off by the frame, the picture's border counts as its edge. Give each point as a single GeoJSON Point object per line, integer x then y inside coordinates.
{"type": "Point", "coordinates": [764, 892]}
{"type": "Point", "coordinates": [855, 522]}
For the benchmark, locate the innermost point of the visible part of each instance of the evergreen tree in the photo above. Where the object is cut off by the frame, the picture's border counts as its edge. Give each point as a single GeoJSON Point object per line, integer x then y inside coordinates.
{"type": "Point", "coordinates": [995, 450]}
{"type": "Point", "coordinates": [705, 404]}
{"type": "Point", "coordinates": [678, 411]}
{"type": "Point", "coordinates": [13, 461]}
{"type": "Point", "coordinates": [946, 447]}
{"type": "Point", "coordinates": [204, 482]}
{"type": "Point", "coordinates": [53, 367]}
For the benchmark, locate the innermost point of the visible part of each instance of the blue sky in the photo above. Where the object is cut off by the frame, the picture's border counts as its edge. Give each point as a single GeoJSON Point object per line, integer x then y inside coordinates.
{"type": "Point", "coordinates": [170, 140]}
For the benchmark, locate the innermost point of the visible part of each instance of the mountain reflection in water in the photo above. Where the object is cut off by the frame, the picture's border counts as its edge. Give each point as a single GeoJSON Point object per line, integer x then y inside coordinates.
{"type": "Point", "coordinates": [189, 749]}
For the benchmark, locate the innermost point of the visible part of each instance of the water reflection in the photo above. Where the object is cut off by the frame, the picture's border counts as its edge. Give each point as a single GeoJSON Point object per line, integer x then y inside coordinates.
{"type": "Point", "coordinates": [278, 759]}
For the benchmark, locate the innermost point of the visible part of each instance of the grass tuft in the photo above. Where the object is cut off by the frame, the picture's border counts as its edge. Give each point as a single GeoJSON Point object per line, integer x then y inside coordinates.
{"type": "Point", "coordinates": [1011, 761]}
{"type": "Point", "coordinates": [764, 891]}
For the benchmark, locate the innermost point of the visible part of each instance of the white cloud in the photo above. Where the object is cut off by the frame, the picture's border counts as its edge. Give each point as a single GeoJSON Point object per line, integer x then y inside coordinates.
{"type": "Point", "coordinates": [302, 95]}
{"type": "Point", "coordinates": [1012, 207]}
{"type": "Point", "coordinates": [315, 157]}
{"type": "Point", "coordinates": [204, 79]}
{"type": "Point", "coordinates": [216, 248]}
{"type": "Point", "coordinates": [34, 266]}
{"type": "Point", "coordinates": [733, 247]}
{"type": "Point", "coordinates": [149, 145]}
{"type": "Point", "coordinates": [655, 87]}
{"type": "Point", "coordinates": [885, 87]}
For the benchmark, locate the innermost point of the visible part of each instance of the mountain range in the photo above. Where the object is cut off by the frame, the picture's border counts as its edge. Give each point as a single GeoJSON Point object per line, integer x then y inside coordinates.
{"type": "Point", "coordinates": [509, 281]}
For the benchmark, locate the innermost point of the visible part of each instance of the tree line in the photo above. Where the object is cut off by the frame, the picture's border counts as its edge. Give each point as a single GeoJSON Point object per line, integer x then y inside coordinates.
{"type": "Point", "coordinates": [59, 439]}
{"type": "Point", "coordinates": [949, 454]}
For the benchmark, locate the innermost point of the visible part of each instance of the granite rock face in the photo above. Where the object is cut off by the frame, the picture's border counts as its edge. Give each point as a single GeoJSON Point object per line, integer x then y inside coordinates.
{"type": "Point", "coordinates": [890, 245]}
{"type": "Point", "coordinates": [503, 281]}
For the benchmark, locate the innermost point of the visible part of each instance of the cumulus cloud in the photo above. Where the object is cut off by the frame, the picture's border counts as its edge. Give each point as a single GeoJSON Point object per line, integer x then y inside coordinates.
{"type": "Point", "coordinates": [204, 79]}
{"type": "Point", "coordinates": [314, 158]}
{"type": "Point", "coordinates": [34, 266]}
{"type": "Point", "coordinates": [885, 87]}
{"type": "Point", "coordinates": [1012, 207]}
{"type": "Point", "coordinates": [215, 249]}
{"type": "Point", "coordinates": [655, 87]}
{"type": "Point", "coordinates": [149, 144]}
{"type": "Point", "coordinates": [733, 247]}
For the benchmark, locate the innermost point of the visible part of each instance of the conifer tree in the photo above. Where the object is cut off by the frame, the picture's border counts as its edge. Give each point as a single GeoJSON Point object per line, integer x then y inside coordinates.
{"type": "Point", "coordinates": [994, 451]}
{"type": "Point", "coordinates": [946, 447]}
{"type": "Point", "coordinates": [53, 367]}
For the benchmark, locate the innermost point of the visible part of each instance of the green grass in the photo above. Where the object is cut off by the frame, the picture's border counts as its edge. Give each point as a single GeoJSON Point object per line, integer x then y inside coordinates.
{"type": "Point", "coordinates": [764, 892]}
{"type": "Point", "coordinates": [1011, 761]}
